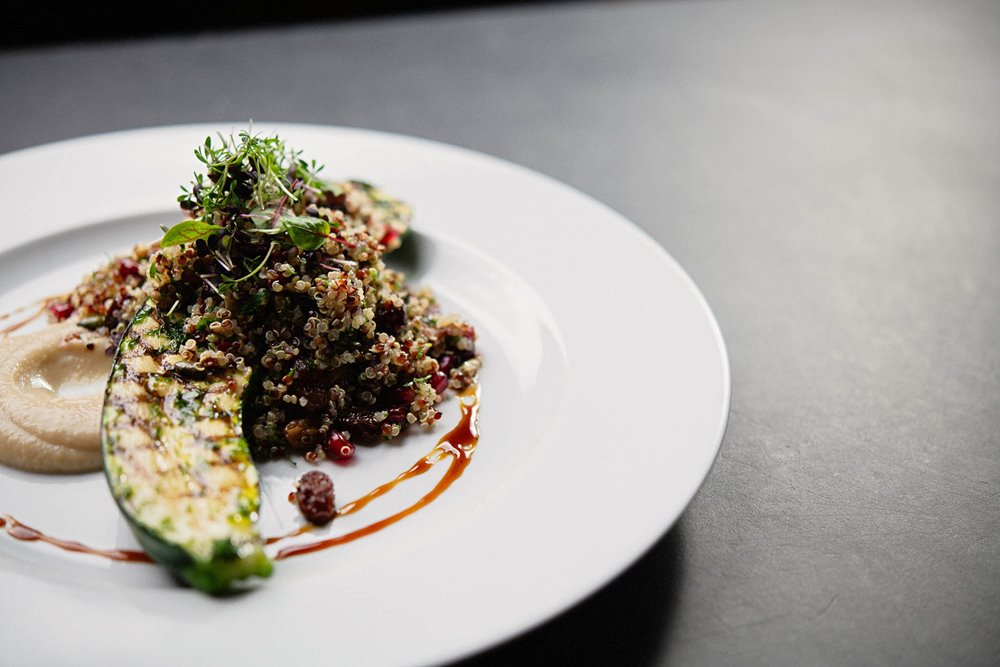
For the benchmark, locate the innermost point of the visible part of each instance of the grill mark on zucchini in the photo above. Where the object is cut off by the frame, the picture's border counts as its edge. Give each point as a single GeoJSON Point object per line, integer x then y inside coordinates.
{"type": "Point", "coordinates": [176, 460]}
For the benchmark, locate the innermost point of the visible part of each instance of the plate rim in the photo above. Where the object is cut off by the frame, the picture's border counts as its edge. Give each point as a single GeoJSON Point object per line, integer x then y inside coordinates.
{"type": "Point", "coordinates": [654, 535]}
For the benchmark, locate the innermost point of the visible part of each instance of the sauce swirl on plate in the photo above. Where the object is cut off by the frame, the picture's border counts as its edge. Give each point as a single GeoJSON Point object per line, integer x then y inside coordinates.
{"type": "Point", "coordinates": [459, 444]}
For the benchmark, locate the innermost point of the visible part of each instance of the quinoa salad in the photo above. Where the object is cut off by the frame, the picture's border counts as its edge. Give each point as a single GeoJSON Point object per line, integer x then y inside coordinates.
{"type": "Point", "coordinates": [277, 270]}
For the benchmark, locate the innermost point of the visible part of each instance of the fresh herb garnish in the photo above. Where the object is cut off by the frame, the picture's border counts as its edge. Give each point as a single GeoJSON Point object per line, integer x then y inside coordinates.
{"type": "Point", "coordinates": [250, 179]}
{"type": "Point", "coordinates": [307, 233]}
{"type": "Point", "coordinates": [251, 173]}
{"type": "Point", "coordinates": [230, 284]}
{"type": "Point", "coordinates": [188, 231]}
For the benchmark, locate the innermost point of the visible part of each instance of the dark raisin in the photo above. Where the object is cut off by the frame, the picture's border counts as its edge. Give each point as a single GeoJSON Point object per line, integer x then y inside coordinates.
{"type": "Point", "coordinates": [314, 493]}
{"type": "Point", "coordinates": [317, 398]}
{"type": "Point", "coordinates": [243, 190]}
{"type": "Point", "coordinates": [301, 434]}
{"type": "Point", "coordinates": [337, 202]}
{"type": "Point", "coordinates": [396, 415]}
{"type": "Point", "coordinates": [361, 424]}
{"type": "Point", "coordinates": [389, 318]}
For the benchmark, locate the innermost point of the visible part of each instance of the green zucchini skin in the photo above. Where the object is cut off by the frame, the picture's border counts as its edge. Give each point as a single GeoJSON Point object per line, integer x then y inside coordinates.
{"type": "Point", "coordinates": [176, 460]}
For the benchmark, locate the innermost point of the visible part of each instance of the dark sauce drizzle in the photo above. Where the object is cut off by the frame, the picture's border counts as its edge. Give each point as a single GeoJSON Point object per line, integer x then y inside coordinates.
{"type": "Point", "coordinates": [459, 443]}
{"type": "Point", "coordinates": [19, 531]}
{"type": "Point", "coordinates": [40, 305]}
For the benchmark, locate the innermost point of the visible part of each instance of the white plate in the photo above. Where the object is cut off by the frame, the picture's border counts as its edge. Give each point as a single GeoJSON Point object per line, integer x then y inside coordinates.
{"type": "Point", "coordinates": [605, 397]}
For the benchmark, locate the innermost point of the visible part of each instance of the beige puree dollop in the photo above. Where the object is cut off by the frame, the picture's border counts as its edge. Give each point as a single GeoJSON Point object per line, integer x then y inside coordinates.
{"type": "Point", "coordinates": [51, 393]}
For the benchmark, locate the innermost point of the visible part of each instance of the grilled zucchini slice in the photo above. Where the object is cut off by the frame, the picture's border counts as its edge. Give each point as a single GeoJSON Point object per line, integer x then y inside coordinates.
{"type": "Point", "coordinates": [176, 460]}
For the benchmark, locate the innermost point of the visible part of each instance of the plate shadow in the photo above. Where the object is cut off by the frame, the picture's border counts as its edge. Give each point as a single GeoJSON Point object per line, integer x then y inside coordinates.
{"type": "Point", "coordinates": [626, 622]}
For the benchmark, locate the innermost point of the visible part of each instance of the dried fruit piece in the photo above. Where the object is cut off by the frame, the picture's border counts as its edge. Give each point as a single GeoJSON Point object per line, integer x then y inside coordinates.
{"type": "Point", "coordinates": [314, 493]}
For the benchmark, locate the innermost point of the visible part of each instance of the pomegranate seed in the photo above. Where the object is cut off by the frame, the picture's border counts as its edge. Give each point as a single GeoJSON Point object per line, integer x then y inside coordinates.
{"type": "Point", "coordinates": [404, 394]}
{"type": "Point", "coordinates": [390, 236]}
{"type": "Point", "coordinates": [339, 448]}
{"type": "Point", "coordinates": [446, 362]}
{"type": "Point", "coordinates": [396, 415]}
{"type": "Point", "coordinates": [60, 310]}
{"type": "Point", "coordinates": [439, 382]}
{"type": "Point", "coordinates": [128, 267]}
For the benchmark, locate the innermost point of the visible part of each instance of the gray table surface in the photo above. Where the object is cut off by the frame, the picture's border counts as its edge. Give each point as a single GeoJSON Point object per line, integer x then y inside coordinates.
{"type": "Point", "coordinates": [829, 174]}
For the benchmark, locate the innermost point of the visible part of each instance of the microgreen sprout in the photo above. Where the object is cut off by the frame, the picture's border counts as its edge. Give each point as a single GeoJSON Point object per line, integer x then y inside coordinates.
{"type": "Point", "coordinates": [246, 177]}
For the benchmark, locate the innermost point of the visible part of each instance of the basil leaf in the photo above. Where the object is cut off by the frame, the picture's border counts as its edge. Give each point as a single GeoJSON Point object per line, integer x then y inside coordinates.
{"type": "Point", "coordinates": [188, 231]}
{"type": "Point", "coordinates": [307, 233]}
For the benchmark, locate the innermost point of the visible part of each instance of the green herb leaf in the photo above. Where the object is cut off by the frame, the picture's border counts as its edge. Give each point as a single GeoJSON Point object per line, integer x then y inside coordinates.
{"type": "Point", "coordinates": [188, 231]}
{"type": "Point", "coordinates": [230, 284]}
{"type": "Point", "coordinates": [248, 173]}
{"type": "Point", "coordinates": [267, 231]}
{"type": "Point", "coordinates": [305, 232]}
